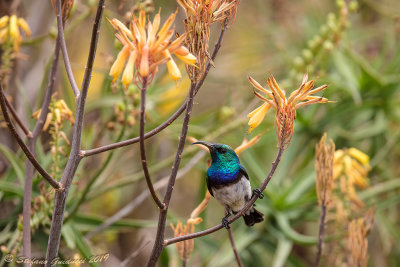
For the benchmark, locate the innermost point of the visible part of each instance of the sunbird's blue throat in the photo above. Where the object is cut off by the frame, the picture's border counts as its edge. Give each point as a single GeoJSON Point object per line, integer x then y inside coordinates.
{"type": "Point", "coordinates": [228, 182]}
{"type": "Point", "coordinates": [225, 165]}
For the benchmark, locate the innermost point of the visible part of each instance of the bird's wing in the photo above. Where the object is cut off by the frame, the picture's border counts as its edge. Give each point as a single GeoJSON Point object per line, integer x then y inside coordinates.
{"type": "Point", "coordinates": [243, 171]}
{"type": "Point", "coordinates": [209, 186]}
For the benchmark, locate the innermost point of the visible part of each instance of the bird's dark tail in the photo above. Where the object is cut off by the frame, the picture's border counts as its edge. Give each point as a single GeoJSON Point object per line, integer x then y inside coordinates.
{"type": "Point", "coordinates": [253, 217]}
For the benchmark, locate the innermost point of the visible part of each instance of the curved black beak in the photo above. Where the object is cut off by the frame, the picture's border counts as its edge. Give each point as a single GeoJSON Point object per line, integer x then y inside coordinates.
{"type": "Point", "coordinates": [206, 144]}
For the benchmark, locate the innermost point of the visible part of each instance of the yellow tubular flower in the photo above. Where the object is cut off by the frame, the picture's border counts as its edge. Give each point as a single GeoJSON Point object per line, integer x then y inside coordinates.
{"type": "Point", "coordinates": [24, 26]}
{"type": "Point", "coordinates": [14, 31]}
{"type": "Point", "coordinates": [173, 69]}
{"type": "Point", "coordinates": [257, 116]}
{"type": "Point", "coordinates": [352, 167]}
{"type": "Point", "coordinates": [3, 21]}
{"type": "Point", "coordinates": [118, 66]}
{"type": "Point", "coordinates": [360, 156]}
{"type": "Point", "coordinates": [9, 30]}
{"type": "Point", "coordinates": [127, 77]}
{"type": "Point", "coordinates": [247, 144]}
{"type": "Point", "coordinates": [3, 35]}
{"type": "Point", "coordinates": [188, 59]}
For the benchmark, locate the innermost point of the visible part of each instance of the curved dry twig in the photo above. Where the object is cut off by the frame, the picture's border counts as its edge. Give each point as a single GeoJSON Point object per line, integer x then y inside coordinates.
{"type": "Point", "coordinates": [142, 146]}
{"type": "Point", "coordinates": [18, 119]}
{"type": "Point", "coordinates": [60, 27]}
{"type": "Point", "coordinates": [21, 143]}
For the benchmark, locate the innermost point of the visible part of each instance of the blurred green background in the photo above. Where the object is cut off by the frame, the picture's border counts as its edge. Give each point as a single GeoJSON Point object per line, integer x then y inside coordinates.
{"type": "Point", "coordinates": [357, 53]}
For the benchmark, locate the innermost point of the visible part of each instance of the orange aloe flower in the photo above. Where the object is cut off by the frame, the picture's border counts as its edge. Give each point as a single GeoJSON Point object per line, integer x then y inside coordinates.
{"type": "Point", "coordinates": [145, 47]}
{"type": "Point", "coordinates": [285, 107]}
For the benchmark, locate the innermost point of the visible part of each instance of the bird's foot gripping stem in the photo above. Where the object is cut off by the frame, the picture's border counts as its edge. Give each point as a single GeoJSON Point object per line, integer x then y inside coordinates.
{"type": "Point", "coordinates": [258, 193]}
{"type": "Point", "coordinates": [225, 221]}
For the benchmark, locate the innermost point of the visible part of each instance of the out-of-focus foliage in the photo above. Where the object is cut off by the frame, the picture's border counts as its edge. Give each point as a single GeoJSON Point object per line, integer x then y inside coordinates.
{"type": "Point", "coordinates": [357, 54]}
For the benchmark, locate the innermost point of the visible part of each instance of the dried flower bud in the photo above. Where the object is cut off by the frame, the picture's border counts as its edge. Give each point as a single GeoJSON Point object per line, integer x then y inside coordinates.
{"type": "Point", "coordinates": [357, 240]}
{"type": "Point", "coordinates": [324, 170]}
{"type": "Point", "coordinates": [66, 6]}
{"type": "Point", "coordinates": [185, 248]}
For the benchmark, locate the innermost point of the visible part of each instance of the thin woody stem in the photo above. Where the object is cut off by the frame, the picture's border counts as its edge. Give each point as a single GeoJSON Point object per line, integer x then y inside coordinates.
{"type": "Point", "coordinates": [194, 87]}
{"type": "Point", "coordinates": [158, 243]}
{"type": "Point", "coordinates": [321, 233]}
{"type": "Point", "coordinates": [185, 259]}
{"type": "Point", "coordinates": [18, 119]}
{"type": "Point", "coordinates": [74, 156]}
{"type": "Point", "coordinates": [237, 215]}
{"type": "Point", "coordinates": [170, 120]}
{"type": "Point", "coordinates": [142, 146]}
{"type": "Point", "coordinates": [60, 26]}
{"type": "Point", "coordinates": [237, 257]}
{"type": "Point", "coordinates": [21, 143]}
{"type": "Point", "coordinates": [26, 213]}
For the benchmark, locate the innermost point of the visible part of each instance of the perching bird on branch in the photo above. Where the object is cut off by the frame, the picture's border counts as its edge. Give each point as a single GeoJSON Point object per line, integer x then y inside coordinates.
{"type": "Point", "coordinates": [228, 182]}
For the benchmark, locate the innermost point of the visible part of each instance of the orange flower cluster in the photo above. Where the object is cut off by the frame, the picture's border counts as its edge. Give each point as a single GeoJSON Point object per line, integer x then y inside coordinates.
{"type": "Point", "coordinates": [285, 107]}
{"type": "Point", "coordinates": [146, 46]}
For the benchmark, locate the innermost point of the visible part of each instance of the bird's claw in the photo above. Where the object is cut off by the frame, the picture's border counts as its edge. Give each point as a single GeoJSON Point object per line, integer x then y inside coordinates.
{"type": "Point", "coordinates": [225, 223]}
{"type": "Point", "coordinates": [258, 193]}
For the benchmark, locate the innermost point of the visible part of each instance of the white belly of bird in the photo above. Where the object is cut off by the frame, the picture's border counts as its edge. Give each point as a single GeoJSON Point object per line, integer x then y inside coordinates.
{"type": "Point", "coordinates": [234, 196]}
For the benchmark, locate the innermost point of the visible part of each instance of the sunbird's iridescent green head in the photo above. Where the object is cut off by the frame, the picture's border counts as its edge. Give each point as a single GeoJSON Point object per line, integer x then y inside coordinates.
{"type": "Point", "coordinates": [220, 152]}
{"type": "Point", "coordinates": [225, 164]}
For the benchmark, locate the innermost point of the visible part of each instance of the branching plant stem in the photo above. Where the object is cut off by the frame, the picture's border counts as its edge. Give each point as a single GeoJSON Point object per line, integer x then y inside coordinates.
{"type": "Point", "coordinates": [74, 157]}
{"type": "Point", "coordinates": [158, 243]}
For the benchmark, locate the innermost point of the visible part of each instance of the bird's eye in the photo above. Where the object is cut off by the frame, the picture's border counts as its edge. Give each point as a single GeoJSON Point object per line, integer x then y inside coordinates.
{"type": "Point", "coordinates": [222, 150]}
